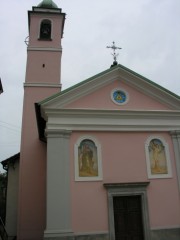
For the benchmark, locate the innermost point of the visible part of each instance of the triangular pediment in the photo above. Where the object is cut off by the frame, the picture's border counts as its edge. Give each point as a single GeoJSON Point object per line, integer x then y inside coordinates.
{"type": "Point", "coordinates": [138, 88]}
{"type": "Point", "coordinates": [150, 107]}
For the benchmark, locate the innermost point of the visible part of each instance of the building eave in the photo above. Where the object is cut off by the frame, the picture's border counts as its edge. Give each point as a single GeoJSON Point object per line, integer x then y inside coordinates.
{"type": "Point", "coordinates": [41, 123]}
{"type": "Point", "coordinates": [10, 161]}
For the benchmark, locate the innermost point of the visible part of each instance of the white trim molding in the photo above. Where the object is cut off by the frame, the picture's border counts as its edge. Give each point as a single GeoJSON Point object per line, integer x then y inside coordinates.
{"type": "Point", "coordinates": [89, 155]}
{"type": "Point", "coordinates": [111, 120]}
{"type": "Point", "coordinates": [157, 158]}
{"type": "Point", "coordinates": [48, 85]}
{"type": "Point", "coordinates": [44, 49]}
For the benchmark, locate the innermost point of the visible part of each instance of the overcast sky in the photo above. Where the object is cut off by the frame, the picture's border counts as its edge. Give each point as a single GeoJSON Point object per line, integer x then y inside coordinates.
{"type": "Point", "coordinates": [147, 30]}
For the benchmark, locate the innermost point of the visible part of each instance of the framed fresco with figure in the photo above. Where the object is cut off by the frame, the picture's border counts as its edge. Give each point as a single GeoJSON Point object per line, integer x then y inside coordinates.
{"type": "Point", "coordinates": [157, 158]}
{"type": "Point", "coordinates": [87, 159]}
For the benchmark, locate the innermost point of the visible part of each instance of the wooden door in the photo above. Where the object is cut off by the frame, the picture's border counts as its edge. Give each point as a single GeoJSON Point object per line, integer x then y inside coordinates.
{"type": "Point", "coordinates": [128, 218]}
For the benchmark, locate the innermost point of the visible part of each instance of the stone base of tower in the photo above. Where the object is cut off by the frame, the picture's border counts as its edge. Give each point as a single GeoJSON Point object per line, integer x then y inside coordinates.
{"type": "Point", "coordinates": [70, 236]}
{"type": "Point", "coordinates": [58, 235]}
{"type": "Point", "coordinates": [161, 234]}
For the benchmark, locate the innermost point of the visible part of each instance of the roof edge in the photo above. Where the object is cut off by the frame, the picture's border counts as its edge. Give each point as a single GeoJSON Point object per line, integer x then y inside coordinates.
{"type": "Point", "coordinates": [119, 66]}
{"type": "Point", "coordinates": [78, 84]}
{"type": "Point", "coordinates": [11, 160]}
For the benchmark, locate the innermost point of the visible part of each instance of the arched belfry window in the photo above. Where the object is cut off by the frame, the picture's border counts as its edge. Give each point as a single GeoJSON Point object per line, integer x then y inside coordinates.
{"type": "Point", "coordinates": [45, 30]}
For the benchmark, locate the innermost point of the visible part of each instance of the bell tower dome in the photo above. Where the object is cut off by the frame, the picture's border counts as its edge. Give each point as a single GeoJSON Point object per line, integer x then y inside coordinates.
{"type": "Point", "coordinates": [43, 71]}
{"type": "Point", "coordinates": [47, 4]}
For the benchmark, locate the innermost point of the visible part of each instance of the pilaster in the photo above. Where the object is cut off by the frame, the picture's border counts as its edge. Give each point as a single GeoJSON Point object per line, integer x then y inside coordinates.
{"type": "Point", "coordinates": [176, 142]}
{"type": "Point", "coordinates": [58, 209]}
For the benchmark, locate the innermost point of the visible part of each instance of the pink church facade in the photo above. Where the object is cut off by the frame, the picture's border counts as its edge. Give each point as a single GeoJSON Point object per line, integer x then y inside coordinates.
{"type": "Point", "coordinates": [100, 160]}
{"type": "Point", "coordinates": [126, 159]}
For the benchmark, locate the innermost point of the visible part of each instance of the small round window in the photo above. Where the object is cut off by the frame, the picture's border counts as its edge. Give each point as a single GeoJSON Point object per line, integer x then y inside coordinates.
{"type": "Point", "coordinates": [119, 96]}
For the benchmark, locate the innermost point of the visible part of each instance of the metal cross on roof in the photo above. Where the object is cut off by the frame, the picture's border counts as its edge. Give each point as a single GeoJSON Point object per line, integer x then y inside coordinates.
{"type": "Point", "coordinates": [114, 48]}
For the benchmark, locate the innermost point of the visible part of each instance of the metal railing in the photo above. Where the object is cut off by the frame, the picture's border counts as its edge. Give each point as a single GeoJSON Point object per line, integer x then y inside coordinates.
{"type": "Point", "coordinates": [3, 233]}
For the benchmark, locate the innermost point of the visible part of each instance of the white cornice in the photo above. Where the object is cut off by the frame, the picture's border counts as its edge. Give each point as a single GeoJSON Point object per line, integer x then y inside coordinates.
{"type": "Point", "coordinates": [48, 85]}
{"type": "Point", "coordinates": [111, 120]}
{"type": "Point", "coordinates": [44, 49]}
{"type": "Point", "coordinates": [47, 10]}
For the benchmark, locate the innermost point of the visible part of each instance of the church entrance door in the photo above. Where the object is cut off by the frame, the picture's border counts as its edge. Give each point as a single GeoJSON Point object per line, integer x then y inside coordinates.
{"type": "Point", "coordinates": [128, 221]}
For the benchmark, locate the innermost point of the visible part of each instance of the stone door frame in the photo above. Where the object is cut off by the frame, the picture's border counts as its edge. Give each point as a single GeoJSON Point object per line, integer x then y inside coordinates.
{"type": "Point", "coordinates": [128, 189]}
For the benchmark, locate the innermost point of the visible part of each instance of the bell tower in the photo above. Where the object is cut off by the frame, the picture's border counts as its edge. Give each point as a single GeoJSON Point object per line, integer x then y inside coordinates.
{"type": "Point", "coordinates": [43, 70]}
{"type": "Point", "coordinates": [46, 24]}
